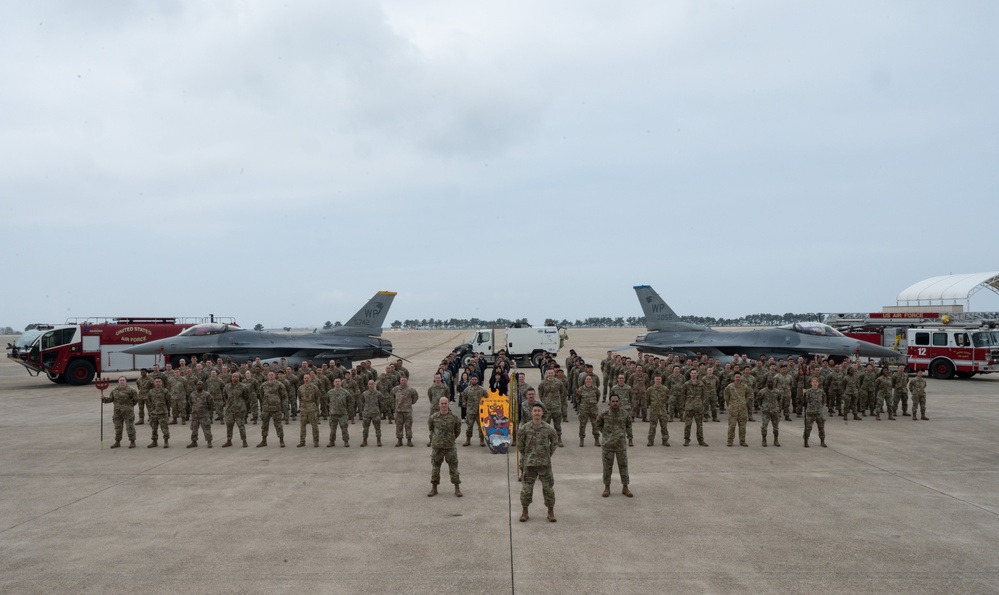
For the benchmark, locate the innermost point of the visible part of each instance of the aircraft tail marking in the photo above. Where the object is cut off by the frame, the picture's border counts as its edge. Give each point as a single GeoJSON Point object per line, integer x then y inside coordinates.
{"type": "Point", "coordinates": [658, 315]}
{"type": "Point", "coordinates": [370, 318]}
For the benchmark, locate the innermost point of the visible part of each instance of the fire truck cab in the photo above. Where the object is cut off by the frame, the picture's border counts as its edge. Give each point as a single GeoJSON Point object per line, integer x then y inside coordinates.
{"type": "Point", "coordinates": [949, 352]}
{"type": "Point", "coordinates": [75, 352]}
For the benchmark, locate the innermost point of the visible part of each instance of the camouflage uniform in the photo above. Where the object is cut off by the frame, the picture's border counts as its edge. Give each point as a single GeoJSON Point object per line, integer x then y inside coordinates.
{"type": "Point", "coordinates": [340, 403]}
{"type": "Point", "coordinates": [201, 415]}
{"type": "Point", "coordinates": [144, 385]}
{"type": "Point", "coordinates": [693, 403]}
{"type": "Point", "coordinates": [675, 382]}
{"type": "Point", "coordinates": [178, 398]}
{"type": "Point", "coordinates": [308, 408]}
{"type": "Point", "coordinates": [851, 387]}
{"type": "Point", "coordinates": [405, 398]}
{"type": "Point", "coordinates": [918, 388]}
{"type": "Point", "coordinates": [784, 383]}
{"type": "Point", "coordinates": [615, 426]}
{"type": "Point", "coordinates": [237, 401]}
{"type": "Point", "coordinates": [835, 391]}
{"type": "Point", "coordinates": [214, 387]}
{"type": "Point", "coordinates": [711, 397]}
{"type": "Point", "coordinates": [588, 397]}
{"type": "Point", "coordinates": [882, 393]}
{"type": "Point", "coordinates": [536, 444]}
{"type": "Point", "coordinates": [639, 396]}
{"type": "Point", "coordinates": [737, 400]}
{"type": "Point", "coordinates": [273, 397]}
{"type": "Point", "coordinates": [159, 411]}
{"type": "Point", "coordinates": [658, 412]}
{"type": "Point", "coordinates": [900, 386]}
{"type": "Point", "coordinates": [124, 399]}
{"type": "Point", "coordinates": [444, 428]}
{"type": "Point", "coordinates": [814, 400]}
{"type": "Point", "coordinates": [770, 401]}
{"type": "Point", "coordinates": [551, 393]}
{"type": "Point", "coordinates": [868, 381]}
{"type": "Point", "coordinates": [471, 397]}
{"type": "Point", "coordinates": [623, 391]}
{"type": "Point", "coordinates": [371, 412]}
{"type": "Point", "coordinates": [434, 393]}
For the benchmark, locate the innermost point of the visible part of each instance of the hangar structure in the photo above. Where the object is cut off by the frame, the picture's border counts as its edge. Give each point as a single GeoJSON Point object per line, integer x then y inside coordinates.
{"type": "Point", "coordinates": [947, 290]}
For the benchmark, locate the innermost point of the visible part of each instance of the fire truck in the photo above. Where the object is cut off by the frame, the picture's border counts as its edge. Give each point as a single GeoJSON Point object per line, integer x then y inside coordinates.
{"type": "Point", "coordinates": [73, 353]}
{"type": "Point", "coordinates": [946, 344]}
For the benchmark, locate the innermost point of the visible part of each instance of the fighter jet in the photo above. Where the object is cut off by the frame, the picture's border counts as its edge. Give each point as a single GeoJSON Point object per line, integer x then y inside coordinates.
{"type": "Point", "coordinates": [668, 334]}
{"type": "Point", "coordinates": [358, 339]}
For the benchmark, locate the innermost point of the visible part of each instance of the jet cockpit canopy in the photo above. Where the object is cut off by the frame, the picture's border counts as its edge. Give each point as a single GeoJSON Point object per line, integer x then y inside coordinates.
{"type": "Point", "coordinates": [813, 328]}
{"type": "Point", "coordinates": [208, 328]}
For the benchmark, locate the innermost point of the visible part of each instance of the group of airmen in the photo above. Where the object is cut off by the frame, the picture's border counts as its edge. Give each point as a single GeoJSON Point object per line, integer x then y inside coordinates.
{"type": "Point", "coordinates": [656, 390]}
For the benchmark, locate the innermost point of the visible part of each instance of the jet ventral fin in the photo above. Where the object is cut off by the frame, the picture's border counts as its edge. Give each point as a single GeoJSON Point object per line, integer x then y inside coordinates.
{"type": "Point", "coordinates": [658, 315]}
{"type": "Point", "coordinates": [369, 319]}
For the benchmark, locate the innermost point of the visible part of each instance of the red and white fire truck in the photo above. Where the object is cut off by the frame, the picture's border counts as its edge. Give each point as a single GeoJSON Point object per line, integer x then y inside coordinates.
{"type": "Point", "coordinates": [74, 352]}
{"type": "Point", "coordinates": [947, 344]}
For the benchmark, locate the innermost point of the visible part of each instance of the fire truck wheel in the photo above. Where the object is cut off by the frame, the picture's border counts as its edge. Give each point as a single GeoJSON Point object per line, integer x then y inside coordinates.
{"type": "Point", "coordinates": [942, 369]}
{"type": "Point", "coordinates": [79, 372]}
{"type": "Point", "coordinates": [537, 359]}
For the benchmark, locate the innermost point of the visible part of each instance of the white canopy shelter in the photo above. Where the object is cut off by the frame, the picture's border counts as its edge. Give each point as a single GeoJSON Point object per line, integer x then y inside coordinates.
{"type": "Point", "coordinates": [948, 289]}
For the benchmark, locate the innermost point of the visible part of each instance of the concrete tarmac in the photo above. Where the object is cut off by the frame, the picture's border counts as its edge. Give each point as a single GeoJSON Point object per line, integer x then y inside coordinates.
{"type": "Point", "coordinates": [889, 506]}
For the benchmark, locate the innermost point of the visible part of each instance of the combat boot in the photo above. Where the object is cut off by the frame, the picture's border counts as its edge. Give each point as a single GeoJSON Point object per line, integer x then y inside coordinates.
{"type": "Point", "coordinates": [152, 444]}
{"type": "Point", "coordinates": [398, 442]}
{"type": "Point", "coordinates": [764, 441]}
{"type": "Point", "coordinates": [701, 443]}
{"type": "Point", "coordinates": [457, 491]}
{"type": "Point", "coordinates": [244, 443]}
{"type": "Point", "coordinates": [551, 514]}
{"type": "Point", "coordinates": [776, 441]}
{"type": "Point", "coordinates": [631, 442]}
{"type": "Point", "coordinates": [131, 443]}
{"type": "Point", "coordinates": [193, 444]}
{"type": "Point", "coordinates": [686, 441]}
{"type": "Point", "coordinates": [140, 422]}
{"type": "Point", "coordinates": [302, 443]}
{"type": "Point", "coordinates": [788, 417]}
{"type": "Point", "coordinates": [666, 442]}
{"type": "Point", "coordinates": [409, 442]}
{"type": "Point", "coordinates": [806, 442]}
{"type": "Point", "coordinates": [117, 443]}
{"type": "Point", "coordinates": [429, 443]}
{"type": "Point", "coordinates": [208, 444]}
{"type": "Point", "coordinates": [364, 442]}
{"type": "Point", "coordinates": [523, 516]}
{"type": "Point", "coordinates": [468, 441]}
{"type": "Point", "coordinates": [166, 443]}
{"type": "Point", "coordinates": [923, 417]}
{"type": "Point", "coordinates": [346, 443]}
{"type": "Point", "coordinates": [582, 442]}
{"type": "Point", "coordinates": [263, 442]}
{"type": "Point", "coordinates": [606, 493]}
{"type": "Point", "coordinates": [891, 416]}
{"type": "Point", "coordinates": [596, 441]}
{"type": "Point", "coordinates": [913, 415]}
{"type": "Point", "coordinates": [743, 443]}
{"type": "Point", "coordinates": [281, 440]}
{"type": "Point", "coordinates": [651, 443]}
{"type": "Point", "coordinates": [878, 416]}
{"type": "Point", "coordinates": [715, 418]}
{"type": "Point", "coordinates": [822, 442]}
{"type": "Point", "coordinates": [379, 442]}
{"type": "Point", "coordinates": [433, 490]}
{"type": "Point", "coordinates": [627, 492]}
{"type": "Point", "coordinates": [228, 441]}
{"type": "Point", "coordinates": [173, 422]}
{"type": "Point", "coordinates": [856, 417]}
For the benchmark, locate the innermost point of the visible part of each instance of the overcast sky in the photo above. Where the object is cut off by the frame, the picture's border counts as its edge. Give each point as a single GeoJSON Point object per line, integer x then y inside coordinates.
{"type": "Point", "coordinates": [281, 162]}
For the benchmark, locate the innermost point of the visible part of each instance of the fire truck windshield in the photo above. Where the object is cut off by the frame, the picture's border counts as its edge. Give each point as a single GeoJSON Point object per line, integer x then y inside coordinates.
{"type": "Point", "coordinates": [26, 339]}
{"type": "Point", "coordinates": [209, 328]}
{"type": "Point", "coordinates": [813, 328]}
{"type": "Point", "coordinates": [982, 339]}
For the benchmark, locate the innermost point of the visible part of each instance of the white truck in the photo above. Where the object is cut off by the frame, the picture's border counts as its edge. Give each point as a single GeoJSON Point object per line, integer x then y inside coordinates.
{"type": "Point", "coordinates": [522, 342]}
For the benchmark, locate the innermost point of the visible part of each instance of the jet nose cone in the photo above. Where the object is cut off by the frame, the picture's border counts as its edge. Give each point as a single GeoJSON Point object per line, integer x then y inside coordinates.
{"type": "Point", "coordinates": [143, 349]}
{"type": "Point", "coordinates": [866, 349]}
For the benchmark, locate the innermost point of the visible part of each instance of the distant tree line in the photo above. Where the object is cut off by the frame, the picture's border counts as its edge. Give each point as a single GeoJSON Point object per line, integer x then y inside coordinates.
{"type": "Point", "coordinates": [605, 322]}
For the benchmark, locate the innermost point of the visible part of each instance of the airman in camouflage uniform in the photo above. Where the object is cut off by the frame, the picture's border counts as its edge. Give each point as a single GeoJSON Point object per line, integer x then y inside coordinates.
{"type": "Point", "coordinates": [178, 398]}
{"type": "Point", "coordinates": [551, 393]}
{"type": "Point", "coordinates": [273, 397]}
{"type": "Point", "coordinates": [692, 396]}
{"type": "Point", "coordinates": [308, 407]}
{"type": "Point", "coordinates": [253, 392]}
{"type": "Point", "coordinates": [622, 390]}
{"type": "Point", "coordinates": [588, 398]}
{"type": "Point", "coordinates": [124, 398]}
{"type": "Point", "coordinates": [405, 397]}
{"type": "Point", "coordinates": [918, 388]}
{"type": "Point", "coordinates": [371, 412]}
{"type": "Point", "coordinates": [639, 396]}
{"type": "Point", "coordinates": [737, 400]}
{"type": "Point", "coordinates": [770, 401]}
{"type": "Point", "coordinates": [237, 396]}
{"type": "Point", "coordinates": [882, 392]}
{"type": "Point", "coordinates": [851, 389]}
{"type": "Point", "coordinates": [144, 384]}
{"type": "Point", "coordinates": [867, 389]}
{"type": "Point", "coordinates": [470, 397]}
{"type": "Point", "coordinates": [437, 390]}
{"type": "Point", "coordinates": [615, 425]}
{"type": "Point", "coordinates": [444, 428]}
{"type": "Point", "coordinates": [814, 401]}
{"type": "Point", "coordinates": [159, 411]}
{"type": "Point", "coordinates": [537, 442]}
{"type": "Point", "coordinates": [675, 382]}
{"type": "Point", "coordinates": [711, 402]}
{"type": "Point", "coordinates": [214, 386]}
{"type": "Point", "coordinates": [900, 386]}
{"type": "Point", "coordinates": [201, 414]}
{"type": "Point", "coordinates": [340, 404]}
{"type": "Point", "coordinates": [658, 395]}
